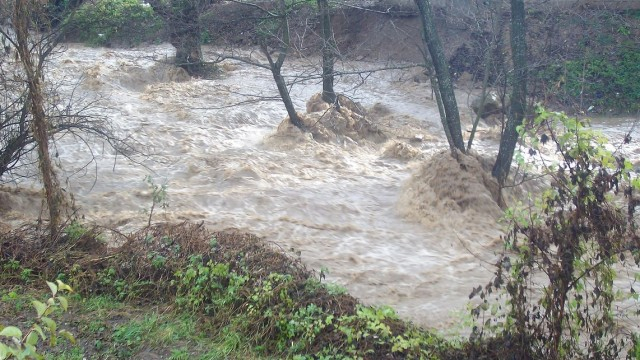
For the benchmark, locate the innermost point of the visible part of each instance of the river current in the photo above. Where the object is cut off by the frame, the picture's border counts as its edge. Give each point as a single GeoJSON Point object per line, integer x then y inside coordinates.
{"type": "Point", "coordinates": [408, 231]}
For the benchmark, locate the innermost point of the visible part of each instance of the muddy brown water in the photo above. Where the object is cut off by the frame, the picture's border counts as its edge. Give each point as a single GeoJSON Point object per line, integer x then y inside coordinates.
{"type": "Point", "coordinates": [410, 231]}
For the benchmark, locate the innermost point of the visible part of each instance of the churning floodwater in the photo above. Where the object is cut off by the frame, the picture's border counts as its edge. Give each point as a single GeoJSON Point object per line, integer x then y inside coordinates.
{"type": "Point", "coordinates": [396, 228]}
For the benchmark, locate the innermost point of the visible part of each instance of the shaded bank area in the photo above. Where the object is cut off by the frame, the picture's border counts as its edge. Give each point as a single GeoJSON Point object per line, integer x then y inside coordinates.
{"type": "Point", "coordinates": [582, 55]}
{"type": "Point", "coordinates": [226, 282]}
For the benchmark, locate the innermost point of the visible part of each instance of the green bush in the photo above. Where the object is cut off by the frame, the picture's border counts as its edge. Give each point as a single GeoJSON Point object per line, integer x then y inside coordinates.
{"type": "Point", "coordinates": [114, 21]}
{"type": "Point", "coordinates": [554, 294]}
{"type": "Point", "coordinates": [15, 343]}
{"type": "Point", "coordinates": [606, 82]}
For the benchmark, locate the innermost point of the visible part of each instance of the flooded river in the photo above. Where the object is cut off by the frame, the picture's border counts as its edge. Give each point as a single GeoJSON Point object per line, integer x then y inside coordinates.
{"type": "Point", "coordinates": [409, 232]}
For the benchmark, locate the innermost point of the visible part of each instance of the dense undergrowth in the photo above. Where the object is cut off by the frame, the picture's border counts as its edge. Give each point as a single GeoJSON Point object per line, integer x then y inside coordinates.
{"type": "Point", "coordinates": [114, 22]}
{"type": "Point", "coordinates": [600, 71]}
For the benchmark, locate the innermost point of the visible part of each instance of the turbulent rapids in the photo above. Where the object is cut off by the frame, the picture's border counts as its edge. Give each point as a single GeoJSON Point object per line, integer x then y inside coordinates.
{"type": "Point", "coordinates": [391, 217]}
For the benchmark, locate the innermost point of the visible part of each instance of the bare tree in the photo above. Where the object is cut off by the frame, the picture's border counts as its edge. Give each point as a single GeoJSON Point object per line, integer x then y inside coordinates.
{"type": "Point", "coordinates": [518, 95]}
{"type": "Point", "coordinates": [449, 114]}
{"type": "Point", "coordinates": [32, 112]}
{"type": "Point", "coordinates": [274, 39]}
{"type": "Point", "coordinates": [23, 12]}
{"type": "Point", "coordinates": [329, 49]}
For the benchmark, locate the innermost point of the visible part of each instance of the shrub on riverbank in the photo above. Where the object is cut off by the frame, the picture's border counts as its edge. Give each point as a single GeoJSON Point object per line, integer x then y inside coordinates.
{"type": "Point", "coordinates": [107, 22]}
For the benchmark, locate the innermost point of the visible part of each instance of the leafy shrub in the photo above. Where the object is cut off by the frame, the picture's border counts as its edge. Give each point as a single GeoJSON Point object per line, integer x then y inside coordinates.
{"type": "Point", "coordinates": [23, 345]}
{"type": "Point", "coordinates": [114, 21]}
{"type": "Point", "coordinates": [606, 82]}
{"type": "Point", "coordinates": [556, 275]}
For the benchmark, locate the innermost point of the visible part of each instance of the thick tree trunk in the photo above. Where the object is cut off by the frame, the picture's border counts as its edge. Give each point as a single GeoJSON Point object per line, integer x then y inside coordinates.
{"type": "Point", "coordinates": [182, 19]}
{"type": "Point", "coordinates": [188, 51]}
{"type": "Point", "coordinates": [445, 85]}
{"type": "Point", "coordinates": [328, 53]}
{"type": "Point", "coordinates": [509, 137]}
{"type": "Point", "coordinates": [53, 193]}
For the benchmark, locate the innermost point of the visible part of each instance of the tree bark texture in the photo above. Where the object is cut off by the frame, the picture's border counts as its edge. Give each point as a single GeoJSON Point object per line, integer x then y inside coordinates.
{"type": "Point", "coordinates": [445, 85]}
{"type": "Point", "coordinates": [329, 49]}
{"type": "Point", "coordinates": [182, 19]}
{"type": "Point", "coordinates": [509, 137]}
{"type": "Point", "coordinates": [276, 66]}
{"type": "Point", "coordinates": [21, 19]}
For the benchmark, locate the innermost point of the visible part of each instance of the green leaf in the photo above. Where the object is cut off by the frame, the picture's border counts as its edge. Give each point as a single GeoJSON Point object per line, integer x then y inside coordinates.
{"type": "Point", "coordinates": [40, 307]}
{"type": "Point", "coordinates": [53, 287]}
{"type": "Point", "coordinates": [49, 324]}
{"type": "Point", "coordinates": [32, 338]}
{"type": "Point", "coordinates": [38, 329]}
{"type": "Point", "coordinates": [11, 331]}
{"type": "Point", "coordinates": [30, 353]}
{"type": "Point", "coordinates": [53, 340]}
{"type": "Point", "coordinates": [63, 286]}
{"type": "Point", "coordinates": [63, 302]}
{"type": "Point", "coordinates": [67, 335]}
{"type": "Point", "coordinates": [4, 351]}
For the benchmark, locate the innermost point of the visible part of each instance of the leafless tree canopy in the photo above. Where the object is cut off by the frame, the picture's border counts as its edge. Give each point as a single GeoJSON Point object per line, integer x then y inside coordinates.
{"type": "Point", "coordinates": [70, 116]}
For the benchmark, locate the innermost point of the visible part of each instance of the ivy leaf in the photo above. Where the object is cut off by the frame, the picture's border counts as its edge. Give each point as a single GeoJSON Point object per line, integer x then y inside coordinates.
{"type": "Point", "coordinates": [11, 331]}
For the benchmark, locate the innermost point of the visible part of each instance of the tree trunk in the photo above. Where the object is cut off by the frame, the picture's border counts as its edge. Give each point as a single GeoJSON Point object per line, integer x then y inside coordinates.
{"type": "Point", "coordinates": [492, 49]}
{"type": "Point", "coordinates": [286, 98]}
{"type": "Point", "coordinates": [186, 39]}
{"type": "Point", "coordinates": [182, 19]}
{"type": "Point", "coordinates": [509, 137]}
{"type": "Point", "coordinates": [53, 193]}
{"type": "Point", "coordinates": [329, 49]}
{"type": "Point", "coordinates": [276, 66]}
{"type": "Point", "coordinates": [188, 53]}
{"type": "Point", "coordinates": [445, 85]}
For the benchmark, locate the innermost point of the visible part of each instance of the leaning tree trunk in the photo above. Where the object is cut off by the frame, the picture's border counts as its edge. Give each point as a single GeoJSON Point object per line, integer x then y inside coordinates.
{"type": "Point", "coordinates": [276, 66]}
{"type": "Point", "coordinates": [21, 19]}
{"type": "Point", "coordinates": [284, 94]}
{"type": "Point", "coordinates": [519, 93]}
{"type": "Point", "coordinates": [445, 85]}
{"type": "Point", "coordinates": [328, 53]}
